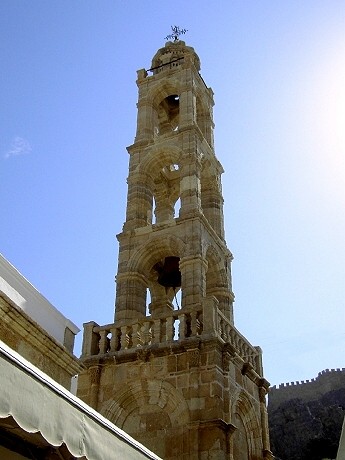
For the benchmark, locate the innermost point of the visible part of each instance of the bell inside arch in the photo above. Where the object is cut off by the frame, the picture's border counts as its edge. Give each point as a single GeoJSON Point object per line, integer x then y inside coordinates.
{"type": "Point", "coordinates": [169, 274]}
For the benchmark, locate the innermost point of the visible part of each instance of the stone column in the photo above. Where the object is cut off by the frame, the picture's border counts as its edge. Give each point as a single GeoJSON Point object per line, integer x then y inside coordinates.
{"type": "Point", "coordinates": [187, 107]}
{"type": "Point", "coordinates": [193, 285]}
{"type": "Point", "coordinates": [225, 299]}
{"type": "Point", "coordinates": [139, 202]}
{"type": "Point", "coordinates": [212, 206]}
{"type": "Point", "coordinates": [190, 187]}
{"type": "Point", "coordinates": [267, 454]}
{"type": "Point", "coordinates": [130, 296]}
{"type": "Point", "coordinates": [164, 210]}
{"type": "Point", "coordinates": [95, 377]}
{"type": "Point", "coordinates": [90, 340]}
{"type": "Point", "coordinates": [145, 124]}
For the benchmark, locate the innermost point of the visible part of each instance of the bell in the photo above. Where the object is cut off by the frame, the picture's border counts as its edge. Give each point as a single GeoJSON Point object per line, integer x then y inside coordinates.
{"type": "Point", "coordinates": [169, 274]}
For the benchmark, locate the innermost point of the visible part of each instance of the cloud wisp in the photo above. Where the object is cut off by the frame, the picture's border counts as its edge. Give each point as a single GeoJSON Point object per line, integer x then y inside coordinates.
{"type": "Point", "coordinates": [18, 147]}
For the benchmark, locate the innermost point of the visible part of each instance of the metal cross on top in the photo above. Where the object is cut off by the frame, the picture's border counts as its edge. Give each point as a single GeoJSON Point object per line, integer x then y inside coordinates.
{"type": "Point", "coordinates": [176, 33]}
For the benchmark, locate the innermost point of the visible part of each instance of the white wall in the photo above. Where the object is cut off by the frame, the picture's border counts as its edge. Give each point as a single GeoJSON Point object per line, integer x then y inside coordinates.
{"type": "Point", "coordinates": [17, 288]}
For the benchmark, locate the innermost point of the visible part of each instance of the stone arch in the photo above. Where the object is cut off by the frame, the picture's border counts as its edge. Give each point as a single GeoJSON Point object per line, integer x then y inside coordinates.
{"type": "Point", "coordinates": [218, 280]}
{"type": "Point", "coordinates": [150, 253]}
{"type": "Point", "coordinates": [162, 166]}
{"type": "Point", "coordinates": [144, 261]}
{"type": "Point", "coordinates": [216, 276]}
{"type": "Point", "coordinates": [166, 107]}
{"type": "Point", "coordinates": [203, 117]}
{"type": "Point", "coordinates": [161, 395]}
{"type": "Point", "coordinates": [247, 439]}
{"type": "Point", "coordinates": [158, 157]}
{"type": "Point", "coordinates": [211, 195]}
{"type": "Point", "coordinates": [161, 91]}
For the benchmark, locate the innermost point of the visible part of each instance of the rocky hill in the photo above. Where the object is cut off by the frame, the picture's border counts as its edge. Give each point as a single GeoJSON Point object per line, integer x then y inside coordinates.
{"type": "Point", "coordinates": [305, 419]}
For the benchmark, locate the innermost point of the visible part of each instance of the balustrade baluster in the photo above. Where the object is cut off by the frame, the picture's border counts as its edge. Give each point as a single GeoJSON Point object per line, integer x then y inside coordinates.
{"type": "Point", "coordinates": [170, 328]}
{"type": "Point", "coordinates": [199, 323]}
{"type": "Point", "coordinates": [157, 331]}
{"type": "Point", "coordinates": [232, 337]}
{"type": "Point", "coordinates": [193, 323]}
{"type": "Point", "coordinates": [103, 342]}
{"type": "Point", "coordinates": [124, 338]}
{"type": "Point", "coordinates": [115, 339]}
{"type": "Point", "coordinates": [227, 332]}
{"type": "Point", "coordinates": [147, 333]}
{"type": "Point", "coordinates": [136, 336]}
{"type": "Point", "coordinates": [220, 327]}
{"type": "Point", "coordinates": [182, 326]}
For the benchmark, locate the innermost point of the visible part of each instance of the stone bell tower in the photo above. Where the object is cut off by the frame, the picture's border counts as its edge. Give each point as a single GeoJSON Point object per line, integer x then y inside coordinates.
{"type": "Point", "coordinates": [176, 374]}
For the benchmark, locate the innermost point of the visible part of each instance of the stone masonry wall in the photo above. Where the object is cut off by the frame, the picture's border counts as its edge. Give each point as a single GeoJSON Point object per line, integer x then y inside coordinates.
{"type": "Point", "coordinates": [32, 342]}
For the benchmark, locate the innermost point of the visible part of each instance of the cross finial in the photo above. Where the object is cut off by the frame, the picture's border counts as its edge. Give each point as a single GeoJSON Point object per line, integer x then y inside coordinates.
{"type": "Point", "coordinates": [176, 33]}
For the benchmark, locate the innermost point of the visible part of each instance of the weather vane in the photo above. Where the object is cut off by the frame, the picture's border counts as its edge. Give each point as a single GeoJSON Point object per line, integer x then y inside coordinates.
{"type": "Point", "coordinates": [176, 33]}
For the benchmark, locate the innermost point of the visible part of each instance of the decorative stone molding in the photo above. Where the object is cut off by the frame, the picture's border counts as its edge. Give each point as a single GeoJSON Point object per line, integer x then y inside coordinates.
{"type": "Point", "coordinates": [193, 357]}
{"type": "Point", "coordinates": [143, 354]}
{"type": "Point", "coordinates": [95, 374]}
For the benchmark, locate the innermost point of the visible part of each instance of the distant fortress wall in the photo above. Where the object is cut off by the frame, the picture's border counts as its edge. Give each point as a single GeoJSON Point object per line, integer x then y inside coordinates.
{"type": "Point", "coordinates": [308, 390]}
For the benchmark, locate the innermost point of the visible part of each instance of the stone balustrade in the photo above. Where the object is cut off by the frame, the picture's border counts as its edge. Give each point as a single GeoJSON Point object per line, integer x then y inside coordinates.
{"type": "Point", "coordinates": [231, 335]}
{"type": "Point", "coordinates": [179, 325]}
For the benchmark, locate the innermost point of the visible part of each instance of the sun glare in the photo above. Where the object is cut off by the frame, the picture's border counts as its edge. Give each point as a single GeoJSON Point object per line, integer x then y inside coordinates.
{"type": "Point", "coordinates": [323, 124]}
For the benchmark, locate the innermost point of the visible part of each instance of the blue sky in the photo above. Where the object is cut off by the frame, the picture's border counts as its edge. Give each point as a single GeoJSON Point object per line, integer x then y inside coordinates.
{"type": "Point", "coordinates": [68, 111]}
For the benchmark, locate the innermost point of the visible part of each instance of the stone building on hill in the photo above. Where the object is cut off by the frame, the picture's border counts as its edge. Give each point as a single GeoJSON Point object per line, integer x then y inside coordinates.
{"type": "Point", "coordinates": [179, 378]}
{"type": "Point", "coordinates": [305, 418]}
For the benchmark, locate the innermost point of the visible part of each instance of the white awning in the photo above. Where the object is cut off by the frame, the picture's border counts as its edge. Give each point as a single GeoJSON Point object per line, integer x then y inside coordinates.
{"type": "Point", "coordinates": [38, 404]}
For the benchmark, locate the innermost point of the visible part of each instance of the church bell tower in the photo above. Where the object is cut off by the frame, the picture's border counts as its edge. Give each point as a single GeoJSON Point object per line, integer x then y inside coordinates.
{"type": "Point", "coordinates": [172, 370]}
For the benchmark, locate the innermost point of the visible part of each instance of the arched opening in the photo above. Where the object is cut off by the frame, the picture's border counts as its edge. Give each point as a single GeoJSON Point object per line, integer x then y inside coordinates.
{"type": "Point", "coordinates": [204, 120]}
{"type": "Point", "coordinates": [148, 302]}
{"type": "Point", "coordinates": [168, 114]}
{"type": "Point", "coordinates": [240, 441]}
{"type": "Point", "coordinates": [177, 208]}
{"type": "Point", "coordinates": [177, 300]}
{"type": "Point", "coordinates": [153, 213]}
{"type": "Point", "coordinates": [218, 281]}
{"type": "Point", "coordinates": [166, 193]}
{"type": "Point", "coordinates": [247, 439]}
{"type": "Point", "coordinates": [168, 273]}
{"type": "Point", "coordinates": [146, 410]}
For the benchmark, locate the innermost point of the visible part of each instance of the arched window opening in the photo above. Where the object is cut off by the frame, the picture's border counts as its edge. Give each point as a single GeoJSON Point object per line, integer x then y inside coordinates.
{"type": "Point", "coordinates": [150, 214]}
{"type": "Point", "coordinates": [168, 114]}
{"type": "Point", "coordinates": [177, 208]}
{"type": "Point", "coordinates": [153, 214]}
{"type": "Point", "coordinates": [204, 120]}
{"type": "Point", "coordinates": [168, 273]}
{"type": "Point", "coordinates": [166, 203]}
{"type": "Point", "coordinates": [148, 301]}
{"type": "Point", "coordinates": [176, 301]}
